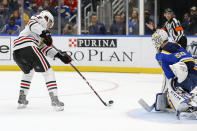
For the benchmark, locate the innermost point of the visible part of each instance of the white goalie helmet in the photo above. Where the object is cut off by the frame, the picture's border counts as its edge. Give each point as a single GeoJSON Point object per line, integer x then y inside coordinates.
{"type": "Point", "coordinates": [46, 13]}
{"type": "Point", "coordinates": [159, 37]}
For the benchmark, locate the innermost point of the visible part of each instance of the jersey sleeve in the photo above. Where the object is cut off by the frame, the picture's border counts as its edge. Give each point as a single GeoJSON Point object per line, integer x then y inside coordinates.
{"type": "Point", "coordinates": [48, 50]}
{"type": "Point", "coordinates": [166, 57]}
{"type": "Point", "coordinates": [37, 24]}
{"type": "Point", "coordinates": [177, 25]}
{"type": "Point", "coordinates": [35, 27]}
{"type": "Point", "coordinates": [164, 27]}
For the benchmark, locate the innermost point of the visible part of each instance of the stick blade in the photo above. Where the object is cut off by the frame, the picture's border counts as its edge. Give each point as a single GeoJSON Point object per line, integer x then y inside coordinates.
{"type": "Point", "coordinates": [145, 105]}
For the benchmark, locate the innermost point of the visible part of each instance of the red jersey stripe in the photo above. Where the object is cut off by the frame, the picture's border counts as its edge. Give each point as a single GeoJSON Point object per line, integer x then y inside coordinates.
{"type": "Point", "coordinates": [25, 84]}
{"type": "Point", "coordinates": [42, 60]}
{"type": "Point", "coordinates": [51, 85]}
{"type": "Point", "coordinates": [24, 39]}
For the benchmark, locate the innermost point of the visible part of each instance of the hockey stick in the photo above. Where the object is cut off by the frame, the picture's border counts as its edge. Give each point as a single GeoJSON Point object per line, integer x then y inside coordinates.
{"type": "Point", "coordinates": [106, 104]}
{"type": "Point", "coordinates": [146, 106]}
{"type": "Point", "coordinates": [150, 108]}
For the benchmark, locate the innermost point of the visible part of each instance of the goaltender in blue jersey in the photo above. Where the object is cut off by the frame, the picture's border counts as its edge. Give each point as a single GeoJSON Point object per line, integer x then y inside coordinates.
{"type": "Point", "coordinates": [172, 53]}
{"type": "Point", "coordinates": [180, 69]}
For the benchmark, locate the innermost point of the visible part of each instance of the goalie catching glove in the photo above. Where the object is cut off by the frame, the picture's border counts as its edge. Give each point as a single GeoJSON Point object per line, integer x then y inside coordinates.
{"type": "Point", "coordinates": [46, 38]}
{"type": "Point", "coordinates": [64, 57]}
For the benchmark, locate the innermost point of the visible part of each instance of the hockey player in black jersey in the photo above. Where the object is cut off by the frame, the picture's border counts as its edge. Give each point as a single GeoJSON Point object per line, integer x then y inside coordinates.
{"type": "Point", "coordinates": [29, 54]}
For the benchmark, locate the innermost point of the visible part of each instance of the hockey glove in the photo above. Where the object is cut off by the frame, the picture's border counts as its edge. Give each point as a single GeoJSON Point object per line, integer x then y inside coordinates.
{"type": "Point", "coordinates": [65, 58]}
{"type": "Point", "coordinates": [47, 39]}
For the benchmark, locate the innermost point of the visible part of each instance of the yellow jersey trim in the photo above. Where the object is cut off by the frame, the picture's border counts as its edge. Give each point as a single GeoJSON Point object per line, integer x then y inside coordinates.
{"type": "Point", "coordinates": [165, 52]}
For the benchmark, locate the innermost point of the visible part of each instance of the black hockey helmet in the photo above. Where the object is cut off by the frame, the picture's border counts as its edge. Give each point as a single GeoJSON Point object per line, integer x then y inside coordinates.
{"type": "Point", "coordinates": [168, 10]}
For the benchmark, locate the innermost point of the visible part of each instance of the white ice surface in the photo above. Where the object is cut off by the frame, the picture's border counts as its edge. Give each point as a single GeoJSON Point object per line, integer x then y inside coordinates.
{"type": "Point", "coordinates": [83, 110]}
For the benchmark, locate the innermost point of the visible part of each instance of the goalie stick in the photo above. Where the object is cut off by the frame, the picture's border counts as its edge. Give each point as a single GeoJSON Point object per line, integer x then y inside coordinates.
{"type": "Point", "coordinates": [164, 88]}
{"type": "Point", "coordinates": [146, 106]}
{"type": "Point", "coordinates": [150, 108]}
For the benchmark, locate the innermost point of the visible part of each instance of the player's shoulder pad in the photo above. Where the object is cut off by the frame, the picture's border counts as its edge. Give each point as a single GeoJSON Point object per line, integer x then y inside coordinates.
{"type": "Point", "coordinates": [40, 20]}
{"type": "Point", "coordinates": [32, 21]}
{"type": "Point", "coordinates": [171, 47]}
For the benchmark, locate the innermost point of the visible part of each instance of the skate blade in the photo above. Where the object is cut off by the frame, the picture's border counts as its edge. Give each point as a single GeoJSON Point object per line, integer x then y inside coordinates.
{"type": "Point", "coordinates": [56, 108]}
{"type": "Point", "coordinates": [21, 106]}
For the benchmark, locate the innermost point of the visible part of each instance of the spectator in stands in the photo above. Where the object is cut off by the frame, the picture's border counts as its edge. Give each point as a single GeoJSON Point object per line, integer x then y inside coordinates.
{"type": "Point", "coordinates": [118, 27]}
{"type": "Point", "coordinates": [16, 16]}
{"type": "Point", "coordinates": [96, 28]}
{"type": "Point", "coordinates": [4, 13]}
{"type": "Point", "coordinates": [11, 28]}
{"type": "Point", "coordinates": [38, 11]}
{"type": "Point", "coordinates": [148, 23]}
{"type": "Point", "coordinates": [25, 15]}
{"type": "Point", "coordinates": [123, 17]}
{"type": "Point", "coordinates": [46, 5]}
{"type": "Point", "coordinates": [4, 2]}
{"type": "Point", "coordinates": [72, 5]}
{"type": "Point", "coordinates": [134, 23]}
{"type": "Point", "coordinates": [193, 21]}
{"type": "Point", "coordinates": [53, 3]}
{"type": "Point", "coordinates": [123, 20]}
{"type": "Point", "coordinates": [69, 29]}
{"type": "Point", "coordinates": [28, 7]}
{"type": "Point", "coordinates": [185, 23]}
{"type": "Point", "coordinates": [13, 5]}
{"type": "Point", "coordinates": [64, 10]}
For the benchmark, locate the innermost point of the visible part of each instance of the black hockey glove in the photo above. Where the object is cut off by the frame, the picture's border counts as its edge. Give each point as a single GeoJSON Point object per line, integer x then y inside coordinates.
{"type": "Point", "coordinates": [64, 57]}
{"type": "Point", "coordinates": [47, 39]}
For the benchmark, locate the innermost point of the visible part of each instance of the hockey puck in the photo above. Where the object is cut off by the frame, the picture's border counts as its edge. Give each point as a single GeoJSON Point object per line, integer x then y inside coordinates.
{"type": "Point", "coordinates": [111, 102]}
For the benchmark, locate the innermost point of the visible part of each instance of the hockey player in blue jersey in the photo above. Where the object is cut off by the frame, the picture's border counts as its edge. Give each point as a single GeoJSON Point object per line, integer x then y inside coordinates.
{"type": "Point", "coordinates": [181, 71]}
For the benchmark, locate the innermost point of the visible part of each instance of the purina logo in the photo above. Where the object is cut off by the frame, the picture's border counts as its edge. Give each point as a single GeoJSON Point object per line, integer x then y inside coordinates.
{"type": "Point", "coordinates": [192, 49]}
{"type": "Point", "coordinates": [101, 43]}
{"type": "Point", "coordinates": [72, 42]}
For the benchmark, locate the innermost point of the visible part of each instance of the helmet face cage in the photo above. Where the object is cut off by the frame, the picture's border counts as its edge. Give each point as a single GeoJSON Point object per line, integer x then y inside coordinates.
{"type": "Point", "coordinates": [159, 37]}
{"type": "Point", "coordinates": [156, 41]}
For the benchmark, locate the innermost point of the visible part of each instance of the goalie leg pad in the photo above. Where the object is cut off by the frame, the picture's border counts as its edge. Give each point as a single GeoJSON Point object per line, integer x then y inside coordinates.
{"type": "Point", "coordinates": [178, 100]}
{"type": "Point", "coordinates": [164, 84]}
{"type": "Point", "coordinates": [161, 102]}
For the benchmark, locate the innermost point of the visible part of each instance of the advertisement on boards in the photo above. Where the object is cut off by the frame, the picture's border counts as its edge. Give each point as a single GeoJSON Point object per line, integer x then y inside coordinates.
{"type": "Point", "coordinates": [5, 48]}
{"type": "Point", "coordinates": [100, 51]}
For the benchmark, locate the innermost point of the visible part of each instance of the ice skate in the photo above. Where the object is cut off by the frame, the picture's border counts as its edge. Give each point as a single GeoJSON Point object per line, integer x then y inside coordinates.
{"type": "Point", "coordinates": [22, 100]}
{"type": "Point", "coordinates": [56, 104]}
